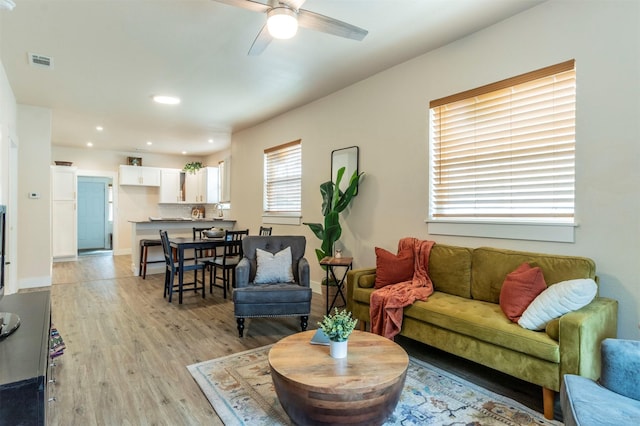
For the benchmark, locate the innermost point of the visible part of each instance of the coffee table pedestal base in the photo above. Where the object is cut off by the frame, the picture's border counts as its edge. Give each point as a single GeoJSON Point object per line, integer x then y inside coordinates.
{"type": "Point", "coordinates": [371, 406]}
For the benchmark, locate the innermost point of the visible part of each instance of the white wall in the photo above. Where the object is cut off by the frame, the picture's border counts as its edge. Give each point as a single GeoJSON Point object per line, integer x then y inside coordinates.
{"type": "Point", "coordinates": [8, 177]}
{"type": "Point", "coordinates": [7, 128]}
{"type": "Point", "coordinates": [386, 116]}
{"type": "Point", "coordinates": [34, 226]}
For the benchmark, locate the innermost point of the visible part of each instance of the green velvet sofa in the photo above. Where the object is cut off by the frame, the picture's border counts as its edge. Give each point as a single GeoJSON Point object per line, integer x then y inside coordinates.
{"type": "Point", "coordinates": [463, 316]}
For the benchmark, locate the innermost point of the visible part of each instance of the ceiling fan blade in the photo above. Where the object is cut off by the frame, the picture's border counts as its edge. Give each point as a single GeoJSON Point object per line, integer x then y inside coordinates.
{"type": "Point", "coordinates": [261, 42]}
{"type": "Point", "coordinates": [315, 21]}
{"type": "Point", "coordinates": [293, 4]}
{"type": "Point", "coordinates": [247, 4]}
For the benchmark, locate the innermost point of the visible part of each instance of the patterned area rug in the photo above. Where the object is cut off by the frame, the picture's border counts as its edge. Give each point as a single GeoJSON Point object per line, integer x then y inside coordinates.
{"type": "Point", "coordinates": [240, 389]}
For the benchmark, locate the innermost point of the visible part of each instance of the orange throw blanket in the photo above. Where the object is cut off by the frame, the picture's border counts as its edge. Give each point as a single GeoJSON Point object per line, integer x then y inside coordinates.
{"type": "Point", "coordinates": [387, 303]}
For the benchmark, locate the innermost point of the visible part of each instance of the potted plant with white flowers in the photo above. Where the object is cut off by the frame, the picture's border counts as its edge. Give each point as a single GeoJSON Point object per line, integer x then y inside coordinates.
{"type": "Point", "coordinates": [338, 327]}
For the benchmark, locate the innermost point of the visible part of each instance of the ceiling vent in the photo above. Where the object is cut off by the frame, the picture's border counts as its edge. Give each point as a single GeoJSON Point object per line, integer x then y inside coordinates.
{"type": "Point", "coordinates": [40, 60]}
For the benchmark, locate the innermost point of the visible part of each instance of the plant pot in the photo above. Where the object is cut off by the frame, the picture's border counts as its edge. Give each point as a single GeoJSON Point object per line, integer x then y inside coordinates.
{"type": "Point", "coordinates": [333, 290]}
{"type": "Point", "coordinates": [338, 349]}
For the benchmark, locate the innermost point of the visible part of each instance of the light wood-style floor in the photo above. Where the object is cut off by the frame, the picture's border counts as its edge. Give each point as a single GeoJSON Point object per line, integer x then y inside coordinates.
{"type": "Point", "coordinates": [128, 348]}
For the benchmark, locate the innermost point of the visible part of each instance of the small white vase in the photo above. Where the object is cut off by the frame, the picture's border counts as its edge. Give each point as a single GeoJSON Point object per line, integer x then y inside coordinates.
{"type": "Point", "coordinates": [338, 349]}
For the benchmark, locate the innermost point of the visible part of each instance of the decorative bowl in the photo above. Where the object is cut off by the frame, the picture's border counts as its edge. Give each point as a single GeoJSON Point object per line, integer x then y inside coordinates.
{"type": "Point", "coordinates": [214, 233]}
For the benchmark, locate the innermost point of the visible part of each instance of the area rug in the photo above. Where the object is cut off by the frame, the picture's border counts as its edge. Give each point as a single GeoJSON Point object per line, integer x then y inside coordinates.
{"type": "Point", "coordinates": [240, 389]}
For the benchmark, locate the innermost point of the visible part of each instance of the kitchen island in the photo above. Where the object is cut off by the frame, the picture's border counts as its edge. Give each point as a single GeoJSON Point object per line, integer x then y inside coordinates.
{"type": "Point", "coordinates": [175, 227]}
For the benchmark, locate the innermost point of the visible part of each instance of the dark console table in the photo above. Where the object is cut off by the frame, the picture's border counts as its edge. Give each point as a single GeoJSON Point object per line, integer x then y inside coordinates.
{"type": "Point", "coordinates": [24, 357]}
{"type": "Point", "coordinates": [331, 264]}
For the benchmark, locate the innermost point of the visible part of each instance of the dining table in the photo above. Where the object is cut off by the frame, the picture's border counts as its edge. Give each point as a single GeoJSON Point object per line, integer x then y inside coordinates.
{"type": "Point", "coordinates": [180, 244]}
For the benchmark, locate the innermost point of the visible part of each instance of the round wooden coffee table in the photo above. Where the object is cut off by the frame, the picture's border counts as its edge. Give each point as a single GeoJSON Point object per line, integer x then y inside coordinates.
{"type": "Point", "coordinates": [316, 389]}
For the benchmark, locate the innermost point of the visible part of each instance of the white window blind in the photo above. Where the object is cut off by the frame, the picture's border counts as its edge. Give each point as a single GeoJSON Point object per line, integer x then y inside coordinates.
{"type": "Point", "coordinates": [506, 151]}
{"type": "Point", "coordinates": [283, 179]}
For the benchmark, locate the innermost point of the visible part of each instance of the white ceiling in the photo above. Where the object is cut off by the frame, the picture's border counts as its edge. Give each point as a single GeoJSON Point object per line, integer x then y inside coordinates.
{"type": "Point", "coordinates": [111, 56]}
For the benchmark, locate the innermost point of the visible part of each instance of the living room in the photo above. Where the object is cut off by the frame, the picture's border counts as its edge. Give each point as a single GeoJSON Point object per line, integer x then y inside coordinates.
{"type": "Point", "coordinates": [386, 116]}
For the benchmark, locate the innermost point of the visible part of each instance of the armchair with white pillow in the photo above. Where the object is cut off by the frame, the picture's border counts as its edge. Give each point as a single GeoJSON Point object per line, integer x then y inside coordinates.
{"type": "Point", "coordinates": [272, 280]}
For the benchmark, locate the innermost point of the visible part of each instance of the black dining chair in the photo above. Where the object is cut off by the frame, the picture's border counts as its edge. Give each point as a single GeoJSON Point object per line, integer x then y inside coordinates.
{"type": "Point", "coordinates": [173, 268]}
{"type": "Point", "coordinates": [265, 231]}
{"type": "Point", "coordinates": [227, 262]}
{"type": "Point", "coordinates": [204, 256]}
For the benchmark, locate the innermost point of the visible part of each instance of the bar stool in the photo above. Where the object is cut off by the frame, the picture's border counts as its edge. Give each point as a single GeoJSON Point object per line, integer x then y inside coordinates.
{"type": "Point", "coordinates": [144, 247]}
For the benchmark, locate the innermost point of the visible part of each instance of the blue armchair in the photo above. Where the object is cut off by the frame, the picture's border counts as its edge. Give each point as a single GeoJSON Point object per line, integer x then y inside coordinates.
{"type": "Point", "coordinates": [615, 398]}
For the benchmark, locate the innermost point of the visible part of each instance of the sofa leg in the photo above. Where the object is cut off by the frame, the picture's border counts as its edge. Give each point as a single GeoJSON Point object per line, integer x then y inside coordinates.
{"type": "Point", "coordinates": [548, 395]}
{"type": "Point", "coordinates": [304, 322]}
{"type": "Point", "coordinates": [240, 322]}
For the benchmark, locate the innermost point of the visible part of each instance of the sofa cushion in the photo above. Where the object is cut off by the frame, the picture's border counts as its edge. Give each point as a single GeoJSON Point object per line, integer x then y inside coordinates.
{"type": "Point", "coordinates": [363, 294]}
{"type": "Point", "coordinates": [519, 289]}
{"type": "Point", "coordinates": [553, 329]}
{"type": "Point", "coordinates": [556, 301]}
{"type": "Point", "coordinates": [484, 321]}
{"type": "Point", "coordinates": [393, 269]}
{"type": "Point", "coordinates": [450, 269]}
{"type": "Point", "coordinates": [491, 266]}
{"type": "Point", "coordinates": [367, 281]}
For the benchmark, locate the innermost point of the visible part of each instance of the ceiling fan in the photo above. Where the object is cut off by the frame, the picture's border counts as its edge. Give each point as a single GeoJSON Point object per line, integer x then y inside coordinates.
{"type": "Point", "coordinates": [284, 17]}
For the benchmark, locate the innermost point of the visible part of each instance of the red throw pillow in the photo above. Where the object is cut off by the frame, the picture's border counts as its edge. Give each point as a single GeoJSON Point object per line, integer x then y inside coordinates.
{"type": "Point", "coordinates": [519, 289]}
{"type": "Point", "coordinates": [393, 269]}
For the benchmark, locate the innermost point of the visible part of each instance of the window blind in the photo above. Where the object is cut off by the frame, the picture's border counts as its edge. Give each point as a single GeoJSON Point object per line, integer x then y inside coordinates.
{"type": "Point", "coordinates": [283, 178]}
{"type": "Point", "coordinates": [506, 151]}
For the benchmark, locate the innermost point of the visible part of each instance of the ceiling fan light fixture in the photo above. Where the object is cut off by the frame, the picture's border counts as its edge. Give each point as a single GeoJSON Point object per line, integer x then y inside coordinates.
{"type": "Point", "coordinates": [7, 4]}
{"type": "Point", "coordinates": [166, 100]}
{"type": "Point", "coordinates": [282, 22]}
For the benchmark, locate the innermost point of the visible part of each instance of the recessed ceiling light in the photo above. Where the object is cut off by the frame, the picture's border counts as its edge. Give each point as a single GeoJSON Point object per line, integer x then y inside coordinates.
{"type": "Point", "coordinates": [89, 144]}
{"type": "Point", "coordinates": [184, 152]}
{"type": "Point", "coordinates": [149, 143]}
{"type": "Point", "coordinates": [166, 100]}
{"type": "Point", "coordinates": [99, 128]}
{"type": "Point", "coordinates": [210, 140]}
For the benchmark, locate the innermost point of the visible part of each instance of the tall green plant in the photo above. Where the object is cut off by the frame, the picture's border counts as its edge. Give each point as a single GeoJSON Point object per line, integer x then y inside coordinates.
{"type": "Point", "coordinates": [334, 201]}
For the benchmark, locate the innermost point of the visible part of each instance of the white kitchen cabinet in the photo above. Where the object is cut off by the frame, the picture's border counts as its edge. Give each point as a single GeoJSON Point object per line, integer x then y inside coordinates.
{"type": "Point", "coordinates": [64, 225]}
{"type": "Point", "coordinates": [63, 183]}
{"type": "Point", "coordinates": [202, 187]}
{"type": "Point", "coordinates": [64, 240]}
{"type": "Point", "coordinates": [139, 176]}
{"type": "Point", "coordinates": [171, 187]}
{"type": "Point", "coordinates": [192, 187]}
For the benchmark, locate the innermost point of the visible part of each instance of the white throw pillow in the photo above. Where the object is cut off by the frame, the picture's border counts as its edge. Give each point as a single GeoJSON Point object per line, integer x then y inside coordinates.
{"type": "Point", "coordinates": [273, 268]}
{"type": "Point", "coordinates": [557, 300]}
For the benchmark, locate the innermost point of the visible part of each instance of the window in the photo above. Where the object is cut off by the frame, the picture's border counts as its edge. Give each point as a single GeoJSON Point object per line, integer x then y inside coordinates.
{"type": "Point", "coordinates": [505, 152]}
{"type": "Point", "coordinates": [283, 180]}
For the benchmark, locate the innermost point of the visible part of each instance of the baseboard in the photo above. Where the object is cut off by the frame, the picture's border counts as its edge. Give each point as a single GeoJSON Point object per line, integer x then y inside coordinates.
{"type": "Point", "coordinates": [34, 282]}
